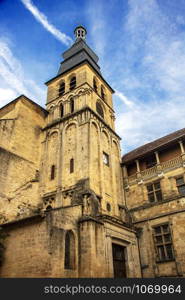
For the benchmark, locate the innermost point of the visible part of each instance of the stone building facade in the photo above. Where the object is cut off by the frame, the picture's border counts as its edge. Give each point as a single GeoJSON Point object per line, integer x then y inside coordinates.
{"type": "Point", "coordinates": [154, 184]}
{"type": "Point", "coordinates": [69, 206]}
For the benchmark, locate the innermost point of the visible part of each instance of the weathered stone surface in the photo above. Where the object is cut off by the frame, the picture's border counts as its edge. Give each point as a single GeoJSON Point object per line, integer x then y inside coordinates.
{"type": "Point", "coordinates": [64, 200]}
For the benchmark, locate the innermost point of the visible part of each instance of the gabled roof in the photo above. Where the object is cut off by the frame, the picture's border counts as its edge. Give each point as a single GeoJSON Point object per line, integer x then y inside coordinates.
{"type": "Point", "coordinates": [27, 99]}
{"type": "Point", "coordinates": [153, 146]}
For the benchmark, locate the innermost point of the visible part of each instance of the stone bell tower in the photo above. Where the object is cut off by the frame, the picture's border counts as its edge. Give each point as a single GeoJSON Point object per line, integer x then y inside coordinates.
{"type": "Point", "coordinates": [81, 148]}
{"type": "Point", "coordinates": [82, 227]}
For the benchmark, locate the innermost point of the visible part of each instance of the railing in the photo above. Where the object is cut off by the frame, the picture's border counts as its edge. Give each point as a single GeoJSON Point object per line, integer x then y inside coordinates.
{"type": "Point", "coordinates": [132, 178]}
{"type": "Point", "coordinates": [170, 164]}
{"type": "Point", "coordinates": [173, 163]}
{"type": "Point", "coordinates": [149, 172]}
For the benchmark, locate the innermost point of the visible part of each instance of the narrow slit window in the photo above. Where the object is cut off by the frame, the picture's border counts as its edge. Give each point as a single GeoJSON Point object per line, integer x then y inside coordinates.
{"type": "Point", "coordinates": [71, 165]}
{"type": "Point", "coordinates": [99, 109]}
{"type": "Point", "coordinates": [61, 110]}
{"type": "Point", "coordinates": [73, 83]}
{"type": "Point", "coordinates": [69, 259]}
{"type": "Point", "coordinates": [62, 89]}
{"type": "Point", "coordinates": [72, 105]}
{"type": "Point", "coordinates": [95, 85]}
{"type": "Point", "coordinates": [105, 158]}
{"type": "Point", "coordinates": [52, 172]}
{"type": "Point", "coordinates": [102, 93]}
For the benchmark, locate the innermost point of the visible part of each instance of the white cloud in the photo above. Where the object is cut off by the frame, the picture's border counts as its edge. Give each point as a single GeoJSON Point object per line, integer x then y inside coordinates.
{"type": "Point", "coordinates": [13, 79]}
{"type": "Point", "coordinates": [143, 123]}
{"type": "Point", "coordinates": [6, 95]}
{"type": "Point", "coordinates": [125, 100]}
{"type": "Point", "coordinates": [153, 76]}
{"type": "Point", "coordinates": [40, 17]}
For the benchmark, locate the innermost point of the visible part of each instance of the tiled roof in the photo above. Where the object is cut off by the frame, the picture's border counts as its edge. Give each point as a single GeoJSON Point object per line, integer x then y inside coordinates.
{"type": "Point", "coordinates": [152, 146]}
{"type": "Point", "coordinates": [78, 53]}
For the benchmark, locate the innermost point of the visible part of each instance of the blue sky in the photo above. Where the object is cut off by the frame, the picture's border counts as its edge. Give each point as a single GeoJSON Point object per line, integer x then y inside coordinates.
{"type": "Point", "coordinates": [140, 43]}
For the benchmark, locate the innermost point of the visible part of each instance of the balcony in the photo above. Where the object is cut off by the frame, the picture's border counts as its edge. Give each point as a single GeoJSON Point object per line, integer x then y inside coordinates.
{"type": "Point", "coordinates": [158, 169]}
{"type": "Point", "coordinates": [173, 163]}
{"type": "Point", "coordinates": [149, 172]}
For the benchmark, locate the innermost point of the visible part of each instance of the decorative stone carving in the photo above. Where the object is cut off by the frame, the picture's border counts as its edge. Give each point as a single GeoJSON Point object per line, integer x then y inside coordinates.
{"type": "Point", "coordinates": [67, 198]}
{"type": "Point", "coordinates": [49, 202]}
{"type": "Point", "coordinates": [91, 206]}
{"type": "Point", "coordinates": [125, 214]}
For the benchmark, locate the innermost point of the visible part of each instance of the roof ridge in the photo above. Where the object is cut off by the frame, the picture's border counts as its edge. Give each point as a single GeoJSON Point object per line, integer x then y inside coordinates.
{"type": "Point", "coordinates": [28, 99]}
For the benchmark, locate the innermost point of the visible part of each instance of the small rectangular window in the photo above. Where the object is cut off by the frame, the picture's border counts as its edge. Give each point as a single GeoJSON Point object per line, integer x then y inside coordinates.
{"type": "Point", "coordinates": [180, 185]}
{"type": "Point", "coordinates": [154, 192]}
{"type": "Point", "coordinates": [163, 242]}
{"type": "Point", "coordinates": [52, 172]}
{"type": "Point", "coordinates": [105, 158]}
{"type": "Point", "coordinates": [71, 165]}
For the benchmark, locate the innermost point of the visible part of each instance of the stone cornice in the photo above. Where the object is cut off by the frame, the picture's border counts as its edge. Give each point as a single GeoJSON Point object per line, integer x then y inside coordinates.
{"type": "Point", "coordinates": [159, 216]}
{"type": "Point", "coordinates": [76, 113]}
{"type": "Point", "coordinates": [76, 95]}
{"type": "Point", "coordinates": [21, 220]}
{"type": "Point", "coordinates": [114, 220]}
{"type": "Point", "coordinates": [149, 205]}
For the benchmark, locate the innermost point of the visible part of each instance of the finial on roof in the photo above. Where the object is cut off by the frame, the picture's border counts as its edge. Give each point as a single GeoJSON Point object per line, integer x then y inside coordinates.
{"type": "Point", "coordinates": [80, 32]}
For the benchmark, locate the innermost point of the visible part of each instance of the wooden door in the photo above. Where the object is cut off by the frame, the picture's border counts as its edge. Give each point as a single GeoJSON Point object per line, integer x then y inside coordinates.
{"type": "Point", "coordinates": [118, 253]}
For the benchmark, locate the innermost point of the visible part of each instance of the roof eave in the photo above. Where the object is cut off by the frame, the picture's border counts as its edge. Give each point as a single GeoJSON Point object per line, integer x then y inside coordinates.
{"type": "Point", "coordinates": [162, 146]}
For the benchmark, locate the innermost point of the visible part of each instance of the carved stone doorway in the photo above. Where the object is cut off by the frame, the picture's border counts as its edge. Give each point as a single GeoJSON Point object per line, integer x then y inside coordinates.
{"type": "Point", "coordinates": [119, 265]}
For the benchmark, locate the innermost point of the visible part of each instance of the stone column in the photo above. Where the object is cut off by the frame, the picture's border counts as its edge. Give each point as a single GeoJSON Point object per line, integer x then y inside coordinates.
{"type": "Point", "coordinates": [55, 113]}
{"type": "Point", "coordinates": [125, 176]}
{"type": "Point", "coordinates": [181, 147]}
{"type": "Point", "coordinates": [125, 173]}
{"type": "Point", "coordinates": [66, 107]}
{"type": "Point", "coordinates": [182, 152]}
{"type": "Point", "coordinates": [138, 173]}
{"type": "Point", "coordinates": [59, 170]}
{"type": "Point", "coordinates": [92, 248]}
{"type": "Point", "coordinates": [109, 259]}
{"type": "Point", "coordinates": [159, 167]}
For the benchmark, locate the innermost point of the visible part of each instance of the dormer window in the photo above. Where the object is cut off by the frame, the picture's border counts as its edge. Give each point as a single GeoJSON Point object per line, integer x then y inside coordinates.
{"type": "Point", "coordinates": [73, 83]}
{"type": "Point", "coordinates": [95, 86]}
{"type": "Point", "coordinates": [61, 89]}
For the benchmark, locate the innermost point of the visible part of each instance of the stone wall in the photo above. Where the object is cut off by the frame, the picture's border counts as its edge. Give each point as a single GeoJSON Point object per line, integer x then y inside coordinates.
{"type": "Point", "coordinates": [149, 264]}
{"type": "Point", "coordinates": [20, 150]}
{"type": "Point", "coordinates": [35, 247]}
{"type": "Point", "coordinates": [170, 210]}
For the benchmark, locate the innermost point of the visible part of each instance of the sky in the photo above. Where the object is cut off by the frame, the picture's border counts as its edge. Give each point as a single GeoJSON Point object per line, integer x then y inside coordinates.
{"type": "Point", "coordinates": [141, 49]}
